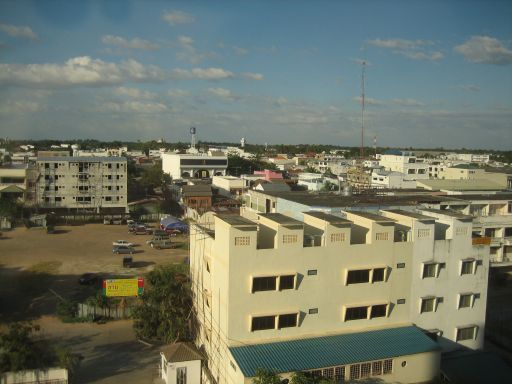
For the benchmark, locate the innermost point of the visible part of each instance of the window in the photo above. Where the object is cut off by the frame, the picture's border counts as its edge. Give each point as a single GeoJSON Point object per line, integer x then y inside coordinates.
{"type": "Point", "coordinates": [181, 375]}
{"type": "Point", "coordinates": [468, 267]}
{"type": "Point", "coordinates": [379, 310]}
{"type": "Point", "coordinates": [108, 198]}
{"type": "Point", "coordinates": [428, 304]}
{"type": "Point", "coordinates": [377, 368]}
{"type": "Point", "coordinates": [378, 275]}
{"type": "Point", "coordinates": [289, 239]}
{"type": "Point", "coordinates": [400, 301]}
{"type": "Point", "coordinates": [465, 300]}
{"type": "Point", "coordinates": [429, 270]}
{"type": "Point", "coordinates": [355, 371]}
{"type": "Point", "coordinates": [288, 320]}
{"type": "Point", "coordinates": [461, 231]}
{"type": "Point", "coordinates": [337, 237]}
{"type": "Point", "coordinates": [242, 240]}
{"type": "Point", "coordinates": [313, 311]}
{"type": "Point", "coordinates": [286, 282]}
{"type": "Point", "coordinates": [466, 333]}
{"type": "Point", "coordinates": [339, 374]}
{"type": "Point", "coordinates": [381, 236]}
{"type": "Point", "coordinates": [356, 313]}
{"type": "Point", "coordinates": [264, 283]}
{"type": "Point", "coordinates": [365, 370]}
{"type": "Point", "coordinates": [263, 322]}
{"type": "Point", "coordinates": [312, 272]}
{"type": "Point", "coordinates": [328, 373]}
{"type": "Point", "coordinates": [358, 276]}
{"type": "Point", "coordinates": [388, 366]}
{"type": "Point", "coordinates": [400, 265]}
{"type": "Point", "coordinates": [423, 233]}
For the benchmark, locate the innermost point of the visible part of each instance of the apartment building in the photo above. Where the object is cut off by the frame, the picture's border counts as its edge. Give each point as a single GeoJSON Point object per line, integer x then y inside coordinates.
{"type": "Point", "coordinates": [183, 166]}
{"type": "Point", "coordinates": [13, 181]}
{"type": "Point", "coordinates": [260, 293]}
{"type": "Point", "coordinates": [412, 167]}
{"type": "Point", "coordinates": [94, 184]}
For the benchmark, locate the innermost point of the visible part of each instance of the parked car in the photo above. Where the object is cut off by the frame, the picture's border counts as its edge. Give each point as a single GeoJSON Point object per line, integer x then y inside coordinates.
{"type": "Point", "coordinates": [155, 238]}
{"type": "Point", "coordinates": [122, 242]}
{"type": "Point", "coordinates": [122, 249]}
{"type": "Point", "coordinates": [127, 261]}
{"type": "Point", "coordinates": [130, 221]}
{"type": "Point", "coordinates": [142, 231]}
{"type": "Point", "coordinates": [88, 279]}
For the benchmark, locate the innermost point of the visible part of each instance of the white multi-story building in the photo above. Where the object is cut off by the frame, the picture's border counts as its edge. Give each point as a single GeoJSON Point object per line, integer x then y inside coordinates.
{"type": "Point", "coordinates": [95, 184]}
{"type": "Point", "coordinates": [390, 180]}
{"type": "Point", "coordinates": [336, 296]}
{"type": "Point", "coordinates": [412, 167]}
{"type": "Point", "coordinates": [182, 166]}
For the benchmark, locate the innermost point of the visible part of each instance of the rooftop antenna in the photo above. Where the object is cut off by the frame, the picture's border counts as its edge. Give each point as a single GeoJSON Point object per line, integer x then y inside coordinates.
{"type": "Point", "coordinates": [363, 65]}
{"type": "Point", "coordinates": [375, 144]}
{"type": "Point", "coordinates": [193, 139]}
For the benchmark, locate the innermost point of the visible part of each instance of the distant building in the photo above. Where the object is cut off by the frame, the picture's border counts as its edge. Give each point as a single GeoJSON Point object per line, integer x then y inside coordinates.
{"type": "Point", "coordinates": [412, 167]}
{"type": "Point", "coordinates": [197, 197]}
{"type": "Point", "coordinates": [183, 166]}
{"type": "Point", "coordinates": [92, 184]}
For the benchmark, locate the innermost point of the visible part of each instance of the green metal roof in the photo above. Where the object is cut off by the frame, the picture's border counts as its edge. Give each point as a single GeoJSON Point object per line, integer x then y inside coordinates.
{"type": "Point", "coordinates": [328, 351]}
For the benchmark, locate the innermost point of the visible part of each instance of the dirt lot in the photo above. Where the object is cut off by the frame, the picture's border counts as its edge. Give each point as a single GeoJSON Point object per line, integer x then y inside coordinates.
{"type": "Point", "coordinates": [37, 268]}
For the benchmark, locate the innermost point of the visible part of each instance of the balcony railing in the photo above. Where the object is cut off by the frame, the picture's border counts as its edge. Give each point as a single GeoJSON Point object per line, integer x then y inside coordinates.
{"type": "Point", "coordinates": [481, 241]}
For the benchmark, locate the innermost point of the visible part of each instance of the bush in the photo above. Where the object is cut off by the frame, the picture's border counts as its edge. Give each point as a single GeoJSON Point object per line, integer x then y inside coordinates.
{"type": "Point", "coordinates": [66, 311]}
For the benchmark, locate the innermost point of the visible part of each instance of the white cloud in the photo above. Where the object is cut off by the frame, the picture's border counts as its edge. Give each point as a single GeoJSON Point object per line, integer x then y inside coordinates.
{"type": "Point", "coordinates": [20, 107]}
{"type": "Point", "coordinates": [135, 43]}
{"type": "Point", "coordinates": [23, 32]}
{"type": "Point", "coordinates": [469, 87]}
{"type": "Point", "coordinates": [240, 51]}
{"type": "Point", "coordinates": [134, 93]}
{"type": "Point", "coordinates": [177, 17]}
{"type": "Point", "coordinates": [189, 52]}
{"type": "Point", "coordinates": [252, 76]}
{"type": "Point", "coordinates": [222, 93]}
{"type": "Point", "coordinates": [203, 74]}
{"type": "Point", "coordinates": [78, 71]}
{"type": "Point", "coordinates": [178, 93]}
{"type": "Point", "coordinates": [412, 49]}
{"type": "Point", "coordinates": [281, 101]}
{"type": "Point", "coordinates": [486, 50]}
{"type": "Point", "coordinates": [408, 102]}
{"type": "Point", "coordinates": [369, 101]}
{"type": "Point", "coordinates": [416, 55]}
{"type": "Point", "coordinates": [133, 106]}
{"type": "Point", "coordinates": [399, 44]}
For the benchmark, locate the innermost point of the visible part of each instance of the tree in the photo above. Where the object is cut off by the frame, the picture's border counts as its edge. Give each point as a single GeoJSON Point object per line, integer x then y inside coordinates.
{"type": "Point", "coordinates": [163, 311]}
{"type": "Point", "coordinates": [19, 351]}
{"type": "Point", "coordinates": [307, 378]}
{"type": "Point", "coordinates": [264, 376]}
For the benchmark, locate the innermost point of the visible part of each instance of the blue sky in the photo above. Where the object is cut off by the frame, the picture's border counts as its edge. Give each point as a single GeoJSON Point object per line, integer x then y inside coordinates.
{"type": "Point", "coordinates": [439, 73]}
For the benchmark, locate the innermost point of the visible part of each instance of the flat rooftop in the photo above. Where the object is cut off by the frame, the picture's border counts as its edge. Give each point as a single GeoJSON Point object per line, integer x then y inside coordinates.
{"type": "Point", "coordinates": [372, 216]}
{"type": "Point", "coordinates": [89, 159]}
{"type": "Point", "coordinates": [281, 219]}
{"type": "Point", "coordinates": [237, 221]}
{"type": "Point", "coordinates": [450, 213]}
{"type": "Point", "coordinates": [331, 219]}
{"type": "Point", "coordinates": [332, 200]}
{"type": "Point", "coordinates": [413, 215]}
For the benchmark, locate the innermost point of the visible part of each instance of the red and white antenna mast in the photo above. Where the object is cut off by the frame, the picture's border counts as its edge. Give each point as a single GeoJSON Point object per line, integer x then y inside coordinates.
{"type": "Point", "coordinates": [363, 64]}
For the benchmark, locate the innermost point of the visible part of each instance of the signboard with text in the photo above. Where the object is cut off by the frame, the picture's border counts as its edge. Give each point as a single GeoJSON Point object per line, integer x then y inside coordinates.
{"type": "Point", "coordinates": [123, 287]}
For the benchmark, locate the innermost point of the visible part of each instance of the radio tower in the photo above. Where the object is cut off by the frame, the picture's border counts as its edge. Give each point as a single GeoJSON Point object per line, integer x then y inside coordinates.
{"type": "Point", "coordinates": [363, 64]}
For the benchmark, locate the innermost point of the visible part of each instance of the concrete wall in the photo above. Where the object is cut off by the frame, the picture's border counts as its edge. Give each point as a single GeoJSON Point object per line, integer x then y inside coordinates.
{"type": "Point", "coordinates": [169, 370]}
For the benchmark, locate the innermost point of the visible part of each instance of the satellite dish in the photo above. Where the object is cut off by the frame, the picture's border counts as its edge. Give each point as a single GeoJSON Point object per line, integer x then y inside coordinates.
{"type": "Point", "coordinates": [193, 130]}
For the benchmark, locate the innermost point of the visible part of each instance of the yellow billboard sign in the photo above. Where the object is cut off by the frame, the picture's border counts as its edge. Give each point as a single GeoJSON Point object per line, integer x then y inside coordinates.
{"type": "Point", "coordinates": [123, 287]}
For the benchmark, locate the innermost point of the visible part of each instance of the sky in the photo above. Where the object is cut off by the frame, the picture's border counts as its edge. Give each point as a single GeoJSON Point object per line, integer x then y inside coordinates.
{"type": "Point", "coordinates": [437, 73]}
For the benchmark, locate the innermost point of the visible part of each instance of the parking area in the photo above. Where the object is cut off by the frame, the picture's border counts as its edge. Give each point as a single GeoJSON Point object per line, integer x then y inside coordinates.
{"type": "Point", "coordinates": [38, 269]}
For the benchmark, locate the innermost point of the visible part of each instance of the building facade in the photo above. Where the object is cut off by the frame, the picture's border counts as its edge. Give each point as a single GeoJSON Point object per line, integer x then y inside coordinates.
{"type": "Point", "coordinates": [94, 184]}
{"type": "Point", "coordinates": [259, 285]}
{"type": "Point", "coordinates": [183, 166]}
